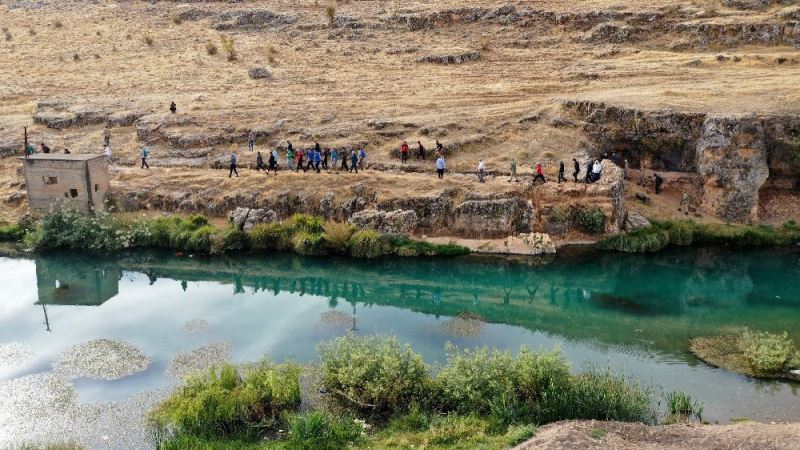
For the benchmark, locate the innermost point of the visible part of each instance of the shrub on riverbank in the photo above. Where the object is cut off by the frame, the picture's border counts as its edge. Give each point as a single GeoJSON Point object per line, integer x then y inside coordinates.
{"type": "Point", "coordinates": [688, 232]}
{"type": "Point", "coordinates": [375, 376]}
{"type": "Point", "coordinates": [303, 234]}
{"type": "Point", "coordinates": [753, 353]}
{"type": "Point", "coordinates": [229, 403]}
{"type": "Point", "coordinates": [11, 233]}
{"type": "Point", "coordinates": [478, 398]}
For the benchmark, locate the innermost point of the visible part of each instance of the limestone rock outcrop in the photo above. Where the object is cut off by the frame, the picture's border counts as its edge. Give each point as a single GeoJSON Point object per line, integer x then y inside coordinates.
{"type": "Point", "coordinates": [634, 221]}
{"type": "Point", "coordinates": [732, 160]}
{"type": "Point", "coordinates": [398, 222]}
{"type": "Point", "coordinates": [247, 218]}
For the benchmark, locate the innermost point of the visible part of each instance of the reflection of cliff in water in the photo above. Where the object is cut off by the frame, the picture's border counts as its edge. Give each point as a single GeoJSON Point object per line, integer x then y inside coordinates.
{"type": "Point", "coordinates": [602, 298]}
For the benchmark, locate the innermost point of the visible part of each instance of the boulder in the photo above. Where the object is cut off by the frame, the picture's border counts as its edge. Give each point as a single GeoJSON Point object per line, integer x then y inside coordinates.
{"type": "Point", "coordinates": [238, 216]}
{"type": "Point", "coordinates": [259, 216]}
{"type": "Point", "coordinates": [259, 72]}
{"type": "Point", "coordinates": [368, 219]}
{"type": "Point", "coordinates": [634, 221]}
{"type": "Point", "coordinates": [399, 222]}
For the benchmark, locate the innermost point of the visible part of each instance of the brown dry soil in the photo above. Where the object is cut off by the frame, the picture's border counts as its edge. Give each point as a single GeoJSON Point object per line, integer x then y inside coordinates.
{"type": "Point", "coordinates": [631, 436]}
{"type": "Point", "coordinates": [359, 81]}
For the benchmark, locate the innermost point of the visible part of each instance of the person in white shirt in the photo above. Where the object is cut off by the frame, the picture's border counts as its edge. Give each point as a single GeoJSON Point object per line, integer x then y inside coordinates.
{"type": "Point", "coordinates": [107, 153]}
{"type": "Point", "coordinates": [440, 166]}
{"type": "Point", "coordinates": [480, 170]}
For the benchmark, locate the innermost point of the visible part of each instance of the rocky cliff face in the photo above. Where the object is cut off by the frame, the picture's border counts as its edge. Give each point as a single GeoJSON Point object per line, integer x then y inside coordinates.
{"type": "Point", "coordinates": [732, 161]}
{"type": "Point", "coordinates": [734, 157]}
{"type": "Point", "coordinates": [453, 211]}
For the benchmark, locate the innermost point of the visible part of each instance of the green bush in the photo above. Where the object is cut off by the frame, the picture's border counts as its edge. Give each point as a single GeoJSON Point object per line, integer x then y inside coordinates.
{"type": "Point", "coordinates": [600, 396]}
{"type": "Point", "coordinates": [373, 375]}
{"type": "Point", "coordinates": [681, 407]}
{"type": "Point", "coordinates": [688, 232]}
{"type": "Point", "coordinates": [494, 382]}
{"type": "Point", "coordinates": [643, 240]}
{"type": "Point", "coordinates": [518, 434]}
{"type": "Point", "coordinates": [404, 246]}
{"type": "Point", "coordinates": [308, 223]}
{"type": "Point", "coordinates": [11, 233]}
{"type": "Point", "coordinates": [70, 229]}
{"type": "Point", "coordinates": [319, 431]}
{"type": "Point", "coordinates": [337, 235]}
{"type": "Point", "coordinates": [369, 244]}
{"type": "Point", "coordinates": [769, 353]}
{"type": "Point", "coordinates": [270, 236]}
{"type": "Point", "coordinates": [305, 243]}
{"type": "Point", "coordinates": [231, 239]}
{"type": "Point", "coordinates": [225, 403]}
{"type": "Point", "coordinates": [592, 220]}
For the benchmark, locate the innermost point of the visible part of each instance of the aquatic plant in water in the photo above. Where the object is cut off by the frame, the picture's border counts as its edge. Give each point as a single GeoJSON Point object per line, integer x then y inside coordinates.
{"type": "Point", "coordinates": [101, 359]}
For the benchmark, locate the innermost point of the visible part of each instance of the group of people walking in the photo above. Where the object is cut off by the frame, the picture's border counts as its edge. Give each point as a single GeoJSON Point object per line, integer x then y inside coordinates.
{"type": "Point", "coordinates": [313, 158]}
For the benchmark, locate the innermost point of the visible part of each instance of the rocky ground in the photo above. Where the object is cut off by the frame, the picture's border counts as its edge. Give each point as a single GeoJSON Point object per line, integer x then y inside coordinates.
{"type": "Point", "coordinates": [623, 436]}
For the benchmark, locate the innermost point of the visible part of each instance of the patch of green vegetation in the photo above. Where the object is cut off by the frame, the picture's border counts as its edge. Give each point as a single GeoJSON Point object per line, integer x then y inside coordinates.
{"type": "Point", "coordinates": [591, 220]}
{"type": "Point", "coordinates": [688, 232]}
{"type": "Point", "coordinates": [11, 233]}
{"type": "Point", "coordinates": [319, 431]}
{"type": "Point", "coordinates": [373, 376]}
{"type": "Point", "coordinates": [303, 234]}
{"type": "Point", "coordinates": [231, 402]}
{"type": "Point", "coordinates": [598, 433]}
{"type": "Point", "coordinates": [369, 244]}
{"type": "Point", "coordinates": [681, 407]}
{"type": "Point", "coordinates": [753, 353]}
{"type": "Point", "coordinates": [404, 246]}
{"type": "Point", "coordinates": [740, 420]}
{"type": "Point", "coordinates": [479, 398]}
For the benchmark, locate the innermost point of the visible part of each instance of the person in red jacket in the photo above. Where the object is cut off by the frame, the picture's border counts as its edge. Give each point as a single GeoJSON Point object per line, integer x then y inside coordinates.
{"type": "Point", "coordinates": [404, 152]}
{"type": "Point", "coordinates": [539, 173]}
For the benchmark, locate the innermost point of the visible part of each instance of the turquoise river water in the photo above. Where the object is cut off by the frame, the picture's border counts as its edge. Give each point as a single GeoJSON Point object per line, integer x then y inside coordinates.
{"type": "Point", "coordinates": [633, 313]}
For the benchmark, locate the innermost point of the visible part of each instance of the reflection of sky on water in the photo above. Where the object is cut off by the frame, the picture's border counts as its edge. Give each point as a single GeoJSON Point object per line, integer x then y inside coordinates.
{"type": "Point", "coordinates": [288, 325]}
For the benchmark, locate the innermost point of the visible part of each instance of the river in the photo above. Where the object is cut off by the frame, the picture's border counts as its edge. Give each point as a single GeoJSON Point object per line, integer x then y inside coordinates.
{"type": "Point", "coordinates": [632, 313]}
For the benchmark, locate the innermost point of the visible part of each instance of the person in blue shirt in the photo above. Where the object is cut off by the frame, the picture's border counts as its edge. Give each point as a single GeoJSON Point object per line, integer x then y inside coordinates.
{"type": "Point", "coordinates": [362, 155]}
{"type": "Point", "coordinates": [143, 155]}
{"type": "Point", "coordinates": [354, 161]}
{"type": "Point", "coordinates": [233, 166]}
{"type": "Point", "coordinates": [317, 159]}
{"type": "Point", "coordinates": [309, 158]}
{"type": "Point", "coordinates": [334, 159]}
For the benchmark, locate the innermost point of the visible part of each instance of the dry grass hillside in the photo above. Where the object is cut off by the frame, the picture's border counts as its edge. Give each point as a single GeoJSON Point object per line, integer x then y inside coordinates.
{"type": "Point", "coordinates": [353, 73]}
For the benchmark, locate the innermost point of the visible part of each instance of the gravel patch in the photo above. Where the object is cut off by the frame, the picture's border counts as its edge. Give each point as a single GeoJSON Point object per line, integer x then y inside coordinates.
{"type": "Point", "coordinates": [101, 359]}
{"type": "Point", "coordinates": [14, 354]}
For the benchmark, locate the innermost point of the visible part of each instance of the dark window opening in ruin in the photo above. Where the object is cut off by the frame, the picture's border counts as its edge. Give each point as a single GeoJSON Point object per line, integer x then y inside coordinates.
{"type": "Point", "coordinates": [73, 193]}
{"type": "Point", "coordinates": [96, 187]}
{"type": "Point", "coordinates": [50, 180]}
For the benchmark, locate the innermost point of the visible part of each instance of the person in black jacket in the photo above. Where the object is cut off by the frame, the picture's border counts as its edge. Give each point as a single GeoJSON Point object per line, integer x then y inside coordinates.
{"type": "Point", "coordinates": [577, 169]}
{"type": "Point", "coordinates": [561, 172]}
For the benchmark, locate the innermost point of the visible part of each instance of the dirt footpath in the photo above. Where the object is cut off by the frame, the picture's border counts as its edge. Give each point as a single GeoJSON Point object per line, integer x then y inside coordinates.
{"type": "Point", "coordinates": [617, 435]}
